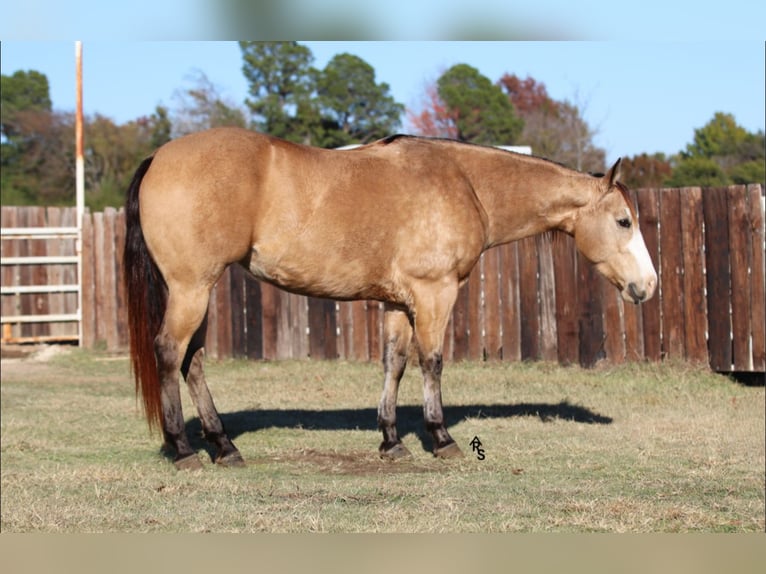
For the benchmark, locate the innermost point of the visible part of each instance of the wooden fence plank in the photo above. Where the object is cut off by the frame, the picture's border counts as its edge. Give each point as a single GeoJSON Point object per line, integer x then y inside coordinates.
{"type": "Point", "coordinates": [238, 312]}
{"type": "Point", "coordinates": [529, 302]}
{"type": "Point", "coordinates": [671, 274]}
{"type": "Point", "coordinates": [590, 313]}
{"type": "Point", "coordinates": [260, 316]}
{"type": "Point", "coordinates": [361, 348]}
{"type": "Point", "coordinates": [270, 313]}
{"type": "Point", "coordinates": [98, 278]}
{"type": "Point", "coordinates": [492, 305]}
{"type": "Point", "coordinates": [715, 212]}
{"type": "Point", "coordinates": [614, 328]}
{"type": "Point", "coordinates": [758, 279]}
{"type": "Point", "coordinates": [694, 298]}
{"type": "Point", "coordinates": [89, 316]}
{"type": "Point", "coordinates": [300, 325]}
{"type": "Point", "coordinates": [460, 324]}
{"type": "Point", "coordinates": [221, 303]}
{"type": "Point", "coordinates": [567, 331]}
{"type": "Point", "coordinates": [322, 328]}
{"type": "Point", "coordinates": [110, 281]}
{"type": "Point", "coordinates": [121, 301]}
{"type": "Point", "coordinates": [345, 330]}
{"type": "Point", "coordinates": [740, 245]}
{"type": "Point", "coordinates": [547, 298]}
{"type": "Point", "coordinates": [375, 330]}
{"type": "Point", "coordinates": [649, 218]}
{"type": "Point", "coordinates": [475, 313]}
{"type": "Point", "coordinates": [509, 262]}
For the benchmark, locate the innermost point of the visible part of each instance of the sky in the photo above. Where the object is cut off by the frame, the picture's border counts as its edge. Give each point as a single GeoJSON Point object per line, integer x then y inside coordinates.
{"type": "Point", "coordinates": [640, 91]}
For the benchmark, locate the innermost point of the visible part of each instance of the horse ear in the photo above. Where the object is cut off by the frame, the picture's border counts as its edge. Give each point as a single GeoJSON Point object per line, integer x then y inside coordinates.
{"type": "Point", "coordinates": [614, 174]}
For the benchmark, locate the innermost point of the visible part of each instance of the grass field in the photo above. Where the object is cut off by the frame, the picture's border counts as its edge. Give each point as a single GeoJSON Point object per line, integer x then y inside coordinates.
{"type": "Point", "coordinates": [635, 448]}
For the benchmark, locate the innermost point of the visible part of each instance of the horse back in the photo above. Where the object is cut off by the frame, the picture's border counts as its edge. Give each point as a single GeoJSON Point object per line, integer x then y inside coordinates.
{"type": "Point", "coordinates": [341, 224]}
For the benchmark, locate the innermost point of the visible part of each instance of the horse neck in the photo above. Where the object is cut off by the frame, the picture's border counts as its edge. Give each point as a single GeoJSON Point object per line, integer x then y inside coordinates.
{"type": "Point", "coordinates": [523, 196]}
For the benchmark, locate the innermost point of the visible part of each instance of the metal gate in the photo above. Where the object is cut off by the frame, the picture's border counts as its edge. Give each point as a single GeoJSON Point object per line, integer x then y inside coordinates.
{"type": "Point", "coordinates": [56, 233]}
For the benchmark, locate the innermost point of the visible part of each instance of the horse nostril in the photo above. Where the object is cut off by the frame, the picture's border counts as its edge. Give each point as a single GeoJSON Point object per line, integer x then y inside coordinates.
{"type": "Point", "coordinates": [637, 295]}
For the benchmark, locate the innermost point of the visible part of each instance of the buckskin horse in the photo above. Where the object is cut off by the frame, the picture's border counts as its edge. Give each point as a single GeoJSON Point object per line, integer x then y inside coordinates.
{"type": "Point", "coordinates": [402, 220]}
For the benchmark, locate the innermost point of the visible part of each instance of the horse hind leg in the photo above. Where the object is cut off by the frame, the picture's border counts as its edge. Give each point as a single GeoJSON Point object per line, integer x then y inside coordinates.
{"type": "Point", "coordinates": [212, 426]}
{"type": "Point", "coordinates": [397, 335]}
{"type": "Point", "coordinates": [185, 312]}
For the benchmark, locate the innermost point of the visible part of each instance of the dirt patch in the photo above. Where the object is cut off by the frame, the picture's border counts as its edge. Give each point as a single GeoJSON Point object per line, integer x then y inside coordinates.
{"type": "Point", "coordinates": [36, 353]}
{"type": "Point", "coordinates": [356, 463]}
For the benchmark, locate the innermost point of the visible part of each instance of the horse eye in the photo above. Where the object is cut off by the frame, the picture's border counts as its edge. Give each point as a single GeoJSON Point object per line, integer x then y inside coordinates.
{"type": "Point", "coordinates": [624, 222]}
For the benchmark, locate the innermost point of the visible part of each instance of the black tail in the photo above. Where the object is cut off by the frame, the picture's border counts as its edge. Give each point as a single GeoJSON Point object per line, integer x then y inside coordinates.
{"type": "Point", "coordinates": [147, 300]}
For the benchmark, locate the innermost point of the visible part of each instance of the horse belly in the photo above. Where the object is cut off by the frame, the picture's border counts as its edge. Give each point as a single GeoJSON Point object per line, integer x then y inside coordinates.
{"type": "Point", "coordinates": [317, 275]}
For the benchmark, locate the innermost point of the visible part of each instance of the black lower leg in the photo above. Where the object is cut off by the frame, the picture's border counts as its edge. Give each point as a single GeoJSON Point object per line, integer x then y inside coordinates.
{"type": "Point", "coordinates": [432, 405]}
{"type": "Point", "coordinates": [212, 426]}
{"type": "Point", "coordinates": [174, 431]}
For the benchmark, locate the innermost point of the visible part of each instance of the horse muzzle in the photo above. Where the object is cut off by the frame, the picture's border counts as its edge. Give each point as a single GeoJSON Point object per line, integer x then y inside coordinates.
{"type": "Point", "coordinates": [638, 293]}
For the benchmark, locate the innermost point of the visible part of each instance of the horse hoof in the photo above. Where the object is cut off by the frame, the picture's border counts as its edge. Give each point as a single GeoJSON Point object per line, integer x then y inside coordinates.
{"type": "Point", "coordinates": [395, 452]}
{"type": "Point", "coordinates": [231, 460]}
{"type": "Point", "coordinates": [451, 450]}
{"type": "Point", "coordinates": [191, 462]}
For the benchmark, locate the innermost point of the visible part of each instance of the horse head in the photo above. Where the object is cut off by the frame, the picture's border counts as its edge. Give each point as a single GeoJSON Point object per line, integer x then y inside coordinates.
{"type": "Point", "coordinates": [607, 233]}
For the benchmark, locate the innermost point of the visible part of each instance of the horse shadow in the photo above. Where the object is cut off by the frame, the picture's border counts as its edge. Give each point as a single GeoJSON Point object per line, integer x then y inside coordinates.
{"type": "Point", "coordinates": [409, 419]}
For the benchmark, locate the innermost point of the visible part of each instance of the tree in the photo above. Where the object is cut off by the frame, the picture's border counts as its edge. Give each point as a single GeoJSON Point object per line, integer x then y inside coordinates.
{"type": "Point", "coordinates": [38, 164]}
{"type": "Point", "coordinates": [554, 129]}
{"type": "Point", "coordinates": [480, 111]}
{"type": "Point", "coordinates": [645, 170]}
{"type": "Point", "coordinates": [31, 159]}
{"type": "Point", "coordinates": [700, 171]}
{"type": "Point", "coordinates": [20, 94]}
{"type": "Point", "coordinates": [435, 118]}
{"type": "Point", "coordinates": [201, 107]}
{"type": "Point", "coordinates": [528, 96]}
{"type": "Point", "coordinates": [354, 108]}
{"type": "Point", "coordinates": [281, 83]}
{"type": "Point", "coordinates": [721, 153]}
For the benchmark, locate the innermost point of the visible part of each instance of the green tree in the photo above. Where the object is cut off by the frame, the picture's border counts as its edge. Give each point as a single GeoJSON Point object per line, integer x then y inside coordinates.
{"type": "Point", "coordinates": [31, 161]}
{"type": "Point", "coordinates": [697, 171]}
{"type": "Point", "coordinates": [481, 112]}
{"type": "Point", "coordinates": [20, 94]}
{"type": "Point", "coordinates": [720, 137]}
{"type": "Point", "coordinates": [38, 148]}
{"type": "Point", "coordinates": [281, 82]}
{"type": "Point", "coordinates": [159, 126]}
{"type": "Point", "coordinates": [721, 153]}
{"type": "Point", "coordinates": [354, 108]}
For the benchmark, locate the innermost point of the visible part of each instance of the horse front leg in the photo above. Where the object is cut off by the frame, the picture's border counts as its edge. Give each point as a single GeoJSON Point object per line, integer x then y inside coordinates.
{"type": "Point", "coordinates": [433, 305]}
{"type": "Point", "coordinates": [397, 332]}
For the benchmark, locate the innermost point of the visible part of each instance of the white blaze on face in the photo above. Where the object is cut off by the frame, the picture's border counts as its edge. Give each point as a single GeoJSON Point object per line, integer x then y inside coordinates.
{"type": "Point", "coordinates": [637, 248]}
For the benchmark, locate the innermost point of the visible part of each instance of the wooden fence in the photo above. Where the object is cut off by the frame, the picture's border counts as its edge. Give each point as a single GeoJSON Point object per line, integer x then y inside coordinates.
{"type": "Point", "coordinates": [536, 299]}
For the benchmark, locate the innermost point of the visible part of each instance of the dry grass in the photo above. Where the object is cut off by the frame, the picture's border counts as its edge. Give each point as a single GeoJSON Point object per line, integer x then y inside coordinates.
{"type": "Point", "coordinates": [635, 448]}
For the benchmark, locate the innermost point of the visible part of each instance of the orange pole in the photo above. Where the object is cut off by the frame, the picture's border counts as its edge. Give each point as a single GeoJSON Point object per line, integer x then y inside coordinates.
{"type": "Point", "coordinates": [79, 177]}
